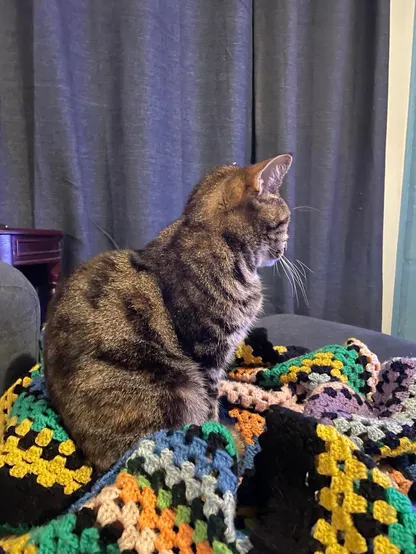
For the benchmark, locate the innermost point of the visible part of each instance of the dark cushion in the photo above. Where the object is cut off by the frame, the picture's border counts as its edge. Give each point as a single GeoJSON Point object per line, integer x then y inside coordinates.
{"type": "Point", "coordinates": [19, 325]}
{"type": "Point", "coordinates": [314, 333]}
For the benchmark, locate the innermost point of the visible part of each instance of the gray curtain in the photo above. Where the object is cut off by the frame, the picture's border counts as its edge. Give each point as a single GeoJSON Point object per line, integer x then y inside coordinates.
{"type": "Point", "coordinates": [320, 90]}
{"type": "Point", "coordinates": [111, 111]}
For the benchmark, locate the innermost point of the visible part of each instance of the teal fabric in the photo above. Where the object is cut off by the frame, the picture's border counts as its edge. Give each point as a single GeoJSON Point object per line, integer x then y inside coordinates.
{"type": "Point", "coordinates": [404, 314]}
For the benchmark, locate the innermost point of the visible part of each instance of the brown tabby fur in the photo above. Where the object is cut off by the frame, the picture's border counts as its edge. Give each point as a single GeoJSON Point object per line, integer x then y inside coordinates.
{"type": "Point", "coordinates": [137, 341]}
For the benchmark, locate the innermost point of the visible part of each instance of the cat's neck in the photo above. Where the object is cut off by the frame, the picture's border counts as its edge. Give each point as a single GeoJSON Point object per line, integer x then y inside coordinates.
{"type": "Point", "coordinates": [217, 267]}
{"type": "Point", "coordinates": [208, 251]}
{"type": "Point", "coordinates": [210, 287]}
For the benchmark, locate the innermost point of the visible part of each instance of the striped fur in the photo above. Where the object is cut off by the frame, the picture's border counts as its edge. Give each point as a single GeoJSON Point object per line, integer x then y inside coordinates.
{"type": "Point", "coordinates": [137, 341]}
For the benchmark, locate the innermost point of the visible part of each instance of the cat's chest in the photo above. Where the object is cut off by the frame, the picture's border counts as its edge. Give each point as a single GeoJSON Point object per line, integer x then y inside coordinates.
{"type": "Point", "coordinates": [244, 312]}
{"type": "Point", "coordinates": [225, 345]}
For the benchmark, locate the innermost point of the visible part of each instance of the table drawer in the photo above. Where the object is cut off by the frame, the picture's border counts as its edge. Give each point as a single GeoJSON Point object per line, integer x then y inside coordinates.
{"type": "Point", "coordinates": [35, 250]}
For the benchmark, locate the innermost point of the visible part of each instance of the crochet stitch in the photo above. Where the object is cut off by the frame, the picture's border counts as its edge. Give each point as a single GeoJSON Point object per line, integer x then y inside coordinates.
{"type": "Point", "coordinates": [41, 470]}
{"type": "Point", "coordinates": [328, 466]}
{"type": "Point", "coordinates": [318, 479]}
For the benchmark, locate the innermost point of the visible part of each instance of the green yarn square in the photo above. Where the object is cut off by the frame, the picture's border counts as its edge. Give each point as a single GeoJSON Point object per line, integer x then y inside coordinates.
{"type": "Point", "coordinates": [399, 501]}
{"type": "Point", "coordinates": [42, 416]}
{"type": "Point", "coordinates": [200, 533]}
{"type": "Point", "coordinates": [164, 499]}
{"type": "Point", "coordinates": [22, 408]}
{"type": "Point", "coordinates": [143, 482]}
{"type": "Point", "coordinates": [113, 549]}
{"type": "Point", "coordinates": [213, 427]}
{"type": "Point", "coordinates": [270, 378]}
{"type": "Point", "coordinates": [183, 515]}
{"type": "Point", "coordinates": [220, 548]}
{"type": "Point", "coordinates": [90, 541]}
{"type": "Point", "coordinates": [409, 521]}
{"type": "Point", "coordinates": [37, 372]}
{"type": "Point", "coordinates": [402, 534]}
{"type": "Point", "coordinates": [402, 538]}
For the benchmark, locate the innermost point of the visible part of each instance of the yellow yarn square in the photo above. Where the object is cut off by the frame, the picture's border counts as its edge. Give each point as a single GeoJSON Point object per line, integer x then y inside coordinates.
{"type": "Point", "coordinates": [340, 449]}
{"type": "Point", "coordinates": [289, 378]}
{"type": "Point", "coordinates": [326, 465]}
{"type": "Point", "coordinates": [355, 469]}
{"type": "Point", "coordinates": [328, 499]}
{"type": "Point", "coordinates": [382, 545]}
{"type": "Point", "coordinates": [405, 447]}
{"type": "Point", "coordinates": [19, 470]}
{"type": "Point", "coordinates": [341, 520]}
{"type": "Point", "coordinates": [57, 464]}
{"type": "Point", "coordinates": [326, 432]}
{"type": "Point", "coordinates": [26, 381]}
{"type": "Point", "coordinates": [381, 478]}
{"type": "Point", "coordinates": [280, 349]}
{"type": "Point", "coordinates": [83, 474]}
{"type": "Point", "coordinates": [354, 503]}
{"type": "Point", "coordinates": [324, 533]}
{"type": "Point", "coordinates": [24, 428]}
{"type": "Point", "coordinates": [341, 483]}
{"type": "Point", "coordinates": [17, 545]}
{"type": "Point", "coordinates": [384, 512]}
{"type": "Point", "coordinates": [44, 437]}
{"type": "Point", "coordinates": [46, 479]}
{"type": "Point", "coordinates": [354, 542]}
{"type": "Point", "coordinates": [32, 454]}
{"type": "Point", "coordinates": [67, 448]}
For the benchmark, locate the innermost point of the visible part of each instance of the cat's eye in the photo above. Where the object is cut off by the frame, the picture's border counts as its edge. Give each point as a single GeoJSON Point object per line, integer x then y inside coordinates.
{"type": "Point", "coordinates": [278, 224]}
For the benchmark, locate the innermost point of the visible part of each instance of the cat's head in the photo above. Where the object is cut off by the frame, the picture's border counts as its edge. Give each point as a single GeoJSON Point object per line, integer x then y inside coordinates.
{"type": "Point", "coordinates": [245, 203]}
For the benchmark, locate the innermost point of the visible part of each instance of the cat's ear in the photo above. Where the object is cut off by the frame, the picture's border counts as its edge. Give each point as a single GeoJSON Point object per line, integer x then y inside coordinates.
{"type": "Point", "coordinates": [266, 177]}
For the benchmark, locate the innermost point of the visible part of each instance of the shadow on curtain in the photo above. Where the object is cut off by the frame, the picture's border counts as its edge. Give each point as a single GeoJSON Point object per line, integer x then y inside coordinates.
{"type": "Point", "coordinates": [111, 111]}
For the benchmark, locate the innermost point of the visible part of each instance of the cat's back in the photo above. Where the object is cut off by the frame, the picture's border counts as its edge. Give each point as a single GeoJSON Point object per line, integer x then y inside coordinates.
{"type": "Point", "coordinates": [105, 303]}
{"type": "Point", "coordinates": [97, 277]}
{"type": "Point", "coordinates": [108, 283]}
{"type": "Point", "coordinates": [97, 285]}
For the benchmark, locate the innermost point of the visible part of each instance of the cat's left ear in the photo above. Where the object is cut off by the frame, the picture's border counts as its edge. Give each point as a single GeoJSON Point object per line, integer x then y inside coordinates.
{"type": "Point", "coordinates": [266, 177]}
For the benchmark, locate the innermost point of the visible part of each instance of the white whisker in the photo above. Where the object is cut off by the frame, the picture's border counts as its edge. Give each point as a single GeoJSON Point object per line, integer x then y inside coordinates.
{"type": "Point", "coordinates": [304, 265]}
{"type": "Point", "coordinates": [297, 277]}
{"type": "Point", "coordinates": [276, 268]}
{"type": "Point", "coordinates": [287, 275]}
{"type": "Point", "coordinates": [305, 208]}
{"type": "Point", "coordinates": [302, 284]}
{"type": "Point", "coordinates": [302, 270]}
{"type": "Point", "coordinates": [291, 278]}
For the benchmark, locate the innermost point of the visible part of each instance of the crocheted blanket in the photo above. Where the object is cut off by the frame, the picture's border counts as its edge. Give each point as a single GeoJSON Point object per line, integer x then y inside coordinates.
{"type": "Point", "coordinates": [327, 466]}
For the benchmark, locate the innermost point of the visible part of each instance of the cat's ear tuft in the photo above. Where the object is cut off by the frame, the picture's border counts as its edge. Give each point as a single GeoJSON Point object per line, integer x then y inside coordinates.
{"type": "Point", "coordinates": [266, 177]}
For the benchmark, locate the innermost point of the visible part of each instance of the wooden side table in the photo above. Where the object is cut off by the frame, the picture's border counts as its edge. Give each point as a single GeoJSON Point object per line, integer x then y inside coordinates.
{"type": "Point", "coordinates": [37, 253]}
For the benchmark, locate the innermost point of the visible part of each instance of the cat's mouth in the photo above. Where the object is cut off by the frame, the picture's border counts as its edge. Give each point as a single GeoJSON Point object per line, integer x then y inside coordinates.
{"type": "Point", "coordinates": [271, 262]}
{"type": "Point", "coordinates": [278, 252]}
{"type": "Point", "coordinates": [273, 257]}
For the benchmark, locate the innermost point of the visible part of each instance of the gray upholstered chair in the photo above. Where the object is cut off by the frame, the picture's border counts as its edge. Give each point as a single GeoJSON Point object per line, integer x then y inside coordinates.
{"type": "Point", "coordinates": [19, 325]}
{"type": "Point", "coordinates": [296, 330]}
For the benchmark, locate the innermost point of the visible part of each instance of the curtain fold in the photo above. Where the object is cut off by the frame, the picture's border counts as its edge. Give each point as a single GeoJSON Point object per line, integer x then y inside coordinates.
{"type": "Point", "coordinates": [320, 82]}
{"type": "Point", "coordinates": [110, 112]}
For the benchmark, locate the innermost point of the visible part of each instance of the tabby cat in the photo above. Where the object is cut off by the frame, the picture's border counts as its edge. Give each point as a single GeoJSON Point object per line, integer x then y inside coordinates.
{"type": "Point", "coordinates": [137, 341]}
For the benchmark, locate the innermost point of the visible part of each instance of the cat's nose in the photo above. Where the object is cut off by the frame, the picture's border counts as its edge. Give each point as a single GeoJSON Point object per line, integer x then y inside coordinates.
{"type": "Point", "coordinates": [282, 249]}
